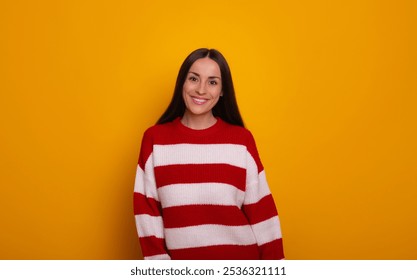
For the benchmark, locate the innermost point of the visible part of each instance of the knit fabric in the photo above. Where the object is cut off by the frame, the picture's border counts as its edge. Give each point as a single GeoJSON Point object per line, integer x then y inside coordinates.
{"type": "Point", "coordinates": [203, 194]}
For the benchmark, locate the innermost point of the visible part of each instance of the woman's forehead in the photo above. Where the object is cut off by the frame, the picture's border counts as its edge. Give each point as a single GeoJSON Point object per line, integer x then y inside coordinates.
{"type": "Point", "coordinates": [205, 66]}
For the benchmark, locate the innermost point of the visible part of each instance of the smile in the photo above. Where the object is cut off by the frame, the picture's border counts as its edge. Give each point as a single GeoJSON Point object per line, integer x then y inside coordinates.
{"type": "Point", "coordinates": [199, 101]}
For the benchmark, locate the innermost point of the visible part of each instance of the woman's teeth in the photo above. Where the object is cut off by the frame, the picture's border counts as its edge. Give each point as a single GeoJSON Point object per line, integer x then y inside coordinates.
{"type": "Point", "coordinates": [199, 101]}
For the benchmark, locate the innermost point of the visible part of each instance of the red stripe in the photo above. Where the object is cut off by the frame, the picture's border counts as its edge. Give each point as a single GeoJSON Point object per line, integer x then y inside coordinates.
{"type": "Point", "coordinates": [191, 215]}
{"type": "Point", "coordinates": [146, 147]}
{"type": "Point", "coordinates": [220, 252]}
{"type": "Point", "coordinates": [145, 205]}
{"type": "Point", "coordinates": [260, 211]}
{"type": "Point", "coordinates": [200, 173]}
{"type": "Point", "coordinates": [152, 245]}
{"type": "Point", "coordinates": [273, 250]}
{"type": "Point", "coordinates": [173, 133]}
{"type": "Point", "coordinates": [251, 146]}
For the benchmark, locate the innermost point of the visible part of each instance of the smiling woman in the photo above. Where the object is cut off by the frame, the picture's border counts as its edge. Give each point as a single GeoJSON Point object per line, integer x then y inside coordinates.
{"type": "Point", "coordinates": [201, 92]}
{"type": "Point", "coordinates": [200, 189]}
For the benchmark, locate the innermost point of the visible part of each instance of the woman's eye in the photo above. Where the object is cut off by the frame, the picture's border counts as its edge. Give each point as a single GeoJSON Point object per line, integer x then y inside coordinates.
{"type": "Point", "coordinates": [193, 79]}
{"type": "Point", "coordinates": [213, 83]}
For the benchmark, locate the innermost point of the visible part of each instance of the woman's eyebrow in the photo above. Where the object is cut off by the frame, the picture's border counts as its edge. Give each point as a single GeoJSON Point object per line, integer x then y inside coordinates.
{"type": "Point", "coordinates": [194, 73]}
{"type": "Point", "coordinates": [211, 77]}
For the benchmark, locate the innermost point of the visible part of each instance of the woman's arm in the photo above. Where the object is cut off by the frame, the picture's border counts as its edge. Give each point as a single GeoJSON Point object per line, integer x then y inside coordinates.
{"type": "Point", "coordinates": [260, 209]}
{"type": "Point", "coordinates": [146, 205]}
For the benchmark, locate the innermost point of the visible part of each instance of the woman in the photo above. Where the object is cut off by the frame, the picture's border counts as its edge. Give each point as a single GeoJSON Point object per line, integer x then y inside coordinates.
{"type": "Point", "coordinates": [200, 189]}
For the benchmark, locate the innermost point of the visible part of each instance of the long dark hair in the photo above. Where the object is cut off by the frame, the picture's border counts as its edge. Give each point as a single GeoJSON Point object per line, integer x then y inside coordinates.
{"type": "Point", "coordinates": [226, 108]}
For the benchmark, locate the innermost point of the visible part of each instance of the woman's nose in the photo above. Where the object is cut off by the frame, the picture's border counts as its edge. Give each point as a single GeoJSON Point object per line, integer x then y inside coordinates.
{"type": "Point", "coordinates": [201, 89]}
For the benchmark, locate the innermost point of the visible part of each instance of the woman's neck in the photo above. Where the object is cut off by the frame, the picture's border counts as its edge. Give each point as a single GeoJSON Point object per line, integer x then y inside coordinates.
{"type": "Point", "coordinates": [198, 122]}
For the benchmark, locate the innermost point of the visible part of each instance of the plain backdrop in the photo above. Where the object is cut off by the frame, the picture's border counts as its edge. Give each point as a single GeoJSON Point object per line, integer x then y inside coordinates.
{"type": "Point", "coordinates": [328, 88]}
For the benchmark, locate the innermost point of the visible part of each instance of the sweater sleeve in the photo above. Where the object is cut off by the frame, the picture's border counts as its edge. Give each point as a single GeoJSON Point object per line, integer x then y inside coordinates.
{"type": "Point", "coordinates": [147, 207]}
{"type": "Point", "coordinates": [259, 207]}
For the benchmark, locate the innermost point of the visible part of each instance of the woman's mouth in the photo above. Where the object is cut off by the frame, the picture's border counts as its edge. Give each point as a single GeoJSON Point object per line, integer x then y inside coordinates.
{"type": "Point", "coordinates": [199, 101]}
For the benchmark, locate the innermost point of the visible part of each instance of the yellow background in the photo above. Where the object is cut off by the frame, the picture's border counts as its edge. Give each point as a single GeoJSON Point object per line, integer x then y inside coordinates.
{"type": "Point", "coordinates": [328, 88]}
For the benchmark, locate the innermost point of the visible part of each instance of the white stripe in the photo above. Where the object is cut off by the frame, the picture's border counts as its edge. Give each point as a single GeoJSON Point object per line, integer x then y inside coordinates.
{"type": "Point", "coordinates": [208, 235]}
{"type": "Point", "coordinates": [147, 225]}
{"type": "Point", "coordinates": [232, 154]}
{"type": "Point", "coordinates": [158, 257]}
{"type": "Point", "coordinates": [257, 189]}
{"type": "Point", "coordinates": [267, 230]}
{"type": "Point", "coordinates": [251, 170]}
{"type": "Point", "coordinates": [201, 193]}
{"type": "Point", "coordinates": [145, 181]}
{"type": "Point", "coordinates": [139, 185]}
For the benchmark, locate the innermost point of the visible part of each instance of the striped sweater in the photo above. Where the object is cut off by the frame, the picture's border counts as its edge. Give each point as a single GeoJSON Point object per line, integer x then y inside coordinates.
{"type": "Point", "coordinates": [202, 194]}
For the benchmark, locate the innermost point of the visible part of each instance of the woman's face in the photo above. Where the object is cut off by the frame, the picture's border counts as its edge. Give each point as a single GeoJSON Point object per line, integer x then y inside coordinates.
{"type": "Point", "coordinates": [202, 87]}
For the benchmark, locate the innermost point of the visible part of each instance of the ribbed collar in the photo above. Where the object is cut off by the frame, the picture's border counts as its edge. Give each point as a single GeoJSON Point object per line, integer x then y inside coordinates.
{"type": "Point", "coordinates": [199, 132]}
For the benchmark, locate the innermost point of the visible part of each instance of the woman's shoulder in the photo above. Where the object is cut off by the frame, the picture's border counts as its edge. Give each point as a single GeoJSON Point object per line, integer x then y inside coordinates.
{"type": "Point", "coordinates": [160, 129]}
{"type": "Point", "coordinates": [239, 132]}
{"type": "Point", "coordinates": [235, 128]}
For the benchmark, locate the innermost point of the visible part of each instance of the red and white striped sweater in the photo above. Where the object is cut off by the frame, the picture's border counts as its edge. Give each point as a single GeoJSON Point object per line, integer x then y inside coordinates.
{"type": "Point", "coordinates": [202, 194]}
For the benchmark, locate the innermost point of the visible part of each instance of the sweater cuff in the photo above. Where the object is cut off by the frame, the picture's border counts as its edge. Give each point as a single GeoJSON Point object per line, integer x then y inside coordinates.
{"type": "Point", "coordinates": [158, 257]}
